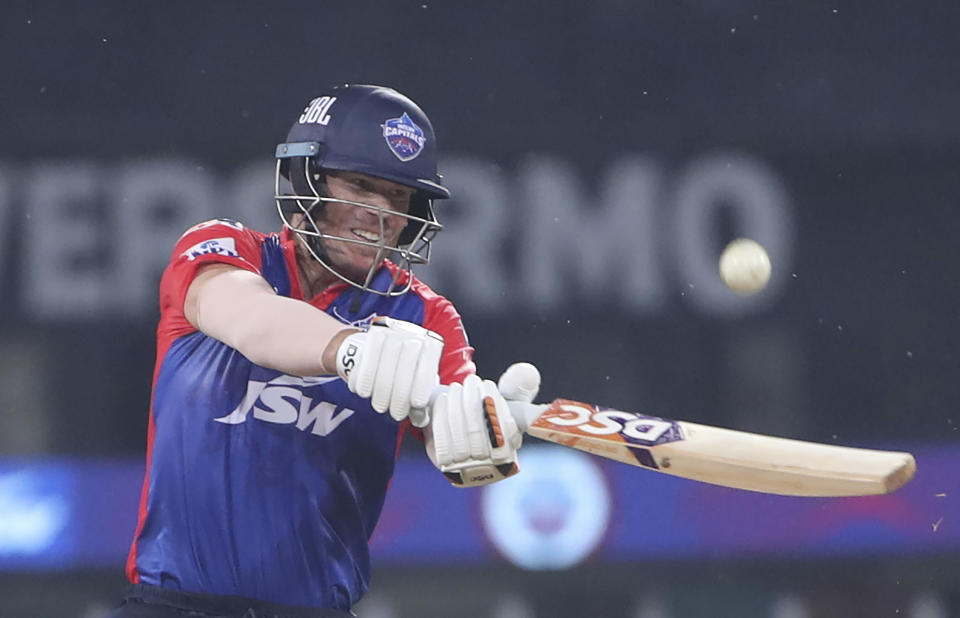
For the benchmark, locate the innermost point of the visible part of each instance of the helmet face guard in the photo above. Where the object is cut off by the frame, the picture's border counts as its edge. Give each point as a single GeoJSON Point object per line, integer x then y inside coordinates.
{"type": "Point", "coordinates": [369, 130]}
{"type": "Point", "coordinates": [308, 197]}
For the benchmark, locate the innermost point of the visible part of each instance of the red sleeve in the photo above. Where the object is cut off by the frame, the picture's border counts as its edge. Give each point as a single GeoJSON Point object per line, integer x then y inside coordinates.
{"type": "Point", "coordinates": [219, 241]}
{"type": "Point", "coordinates": [440, 316]}
{"type": "Point", "coordinates": [456, 364]}
{"type": "Point", "coordinates": [457, 361]}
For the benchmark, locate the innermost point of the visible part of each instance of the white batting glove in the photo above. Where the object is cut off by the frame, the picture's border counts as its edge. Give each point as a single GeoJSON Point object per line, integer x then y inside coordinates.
{"type": "Point", "coordinates": [395, 364]}
{"type": "Point", "coordinates": [520, 382]}
{"type": "Point", "coordinates": [519, 385]}
{"type": "Point", "coordinates": [473, 438]}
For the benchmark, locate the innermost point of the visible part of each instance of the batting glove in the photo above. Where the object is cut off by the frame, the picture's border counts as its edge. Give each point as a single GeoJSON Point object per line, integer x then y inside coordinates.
{"type": "Point", "coordinates": [473, 438]}
{"type": "Point", "coordinates": [395, 364]}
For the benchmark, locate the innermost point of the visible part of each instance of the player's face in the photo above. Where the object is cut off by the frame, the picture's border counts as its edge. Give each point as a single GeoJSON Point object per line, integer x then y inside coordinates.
{"type": "Point", "coordinates": [354, 222]}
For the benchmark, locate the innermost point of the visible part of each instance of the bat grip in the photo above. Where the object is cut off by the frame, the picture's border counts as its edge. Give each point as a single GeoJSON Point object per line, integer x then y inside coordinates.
{"type": "Point", "coordinates": [525, 413]}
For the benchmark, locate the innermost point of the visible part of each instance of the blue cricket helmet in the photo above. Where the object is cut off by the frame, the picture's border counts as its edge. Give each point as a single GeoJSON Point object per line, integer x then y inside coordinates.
{"type": "Point", "coordinates": [369, 129]}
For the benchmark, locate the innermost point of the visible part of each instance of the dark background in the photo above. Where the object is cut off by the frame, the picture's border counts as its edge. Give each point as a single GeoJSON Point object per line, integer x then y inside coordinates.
{"type": "Point", "coordinates": [850, 106]}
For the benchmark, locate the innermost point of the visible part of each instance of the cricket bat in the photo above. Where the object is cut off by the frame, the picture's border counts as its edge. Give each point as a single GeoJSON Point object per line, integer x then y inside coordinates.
{"type": "Point", "coordinates": [738, 459]}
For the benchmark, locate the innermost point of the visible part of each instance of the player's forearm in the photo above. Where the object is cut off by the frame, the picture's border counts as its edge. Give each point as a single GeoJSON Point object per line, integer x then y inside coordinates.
{"type": "Point", "coordinates": [240, 309]}
{"type": "Point", "coordinates": [287, 335]}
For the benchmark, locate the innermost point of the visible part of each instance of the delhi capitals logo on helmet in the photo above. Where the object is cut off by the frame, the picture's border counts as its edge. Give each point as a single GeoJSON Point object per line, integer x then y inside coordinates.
{"type": "Point", "coordinates": [404, 137]}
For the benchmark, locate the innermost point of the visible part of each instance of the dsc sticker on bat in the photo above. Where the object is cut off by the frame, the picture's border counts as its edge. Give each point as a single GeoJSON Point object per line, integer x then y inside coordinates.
{"type": "Point", "coordinates": [725, 457]}
{"type": "Point", "coordinates": [604, 423]}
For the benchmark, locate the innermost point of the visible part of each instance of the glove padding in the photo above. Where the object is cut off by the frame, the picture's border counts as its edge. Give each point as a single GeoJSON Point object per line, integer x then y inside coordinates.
{"type": "Point", "coordinates": [473, 438]}
{"type": "Point", "coordinates": [396, 364]}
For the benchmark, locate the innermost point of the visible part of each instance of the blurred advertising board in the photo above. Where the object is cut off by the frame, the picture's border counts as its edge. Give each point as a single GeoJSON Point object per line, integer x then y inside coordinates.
{"type": "Point", "coordinates": [565, 508]}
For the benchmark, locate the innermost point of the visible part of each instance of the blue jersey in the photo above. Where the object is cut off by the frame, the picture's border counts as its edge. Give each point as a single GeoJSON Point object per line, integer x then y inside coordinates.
{"type": "Point", "coordinates": [261, 484]}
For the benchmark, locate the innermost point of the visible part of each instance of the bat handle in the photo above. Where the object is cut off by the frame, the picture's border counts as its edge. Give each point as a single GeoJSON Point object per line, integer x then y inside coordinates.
{"type": "Point", "coordinates": [524, 413]}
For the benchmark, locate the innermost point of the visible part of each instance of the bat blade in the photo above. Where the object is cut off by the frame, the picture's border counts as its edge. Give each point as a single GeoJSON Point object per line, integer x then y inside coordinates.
{"type": "Point", "coordinates": [726, 457]}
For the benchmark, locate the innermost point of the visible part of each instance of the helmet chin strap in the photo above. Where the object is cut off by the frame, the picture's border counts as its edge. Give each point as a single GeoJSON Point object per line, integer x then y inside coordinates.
{"type": "Point", "coordinates": [317, 249]}
{"type": "Point", "coordinates": [315, 243]}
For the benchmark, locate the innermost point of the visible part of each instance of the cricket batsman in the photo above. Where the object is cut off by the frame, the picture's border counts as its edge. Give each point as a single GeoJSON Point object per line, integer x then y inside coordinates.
{"type": "Point", "coordinates": [290, 365]}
